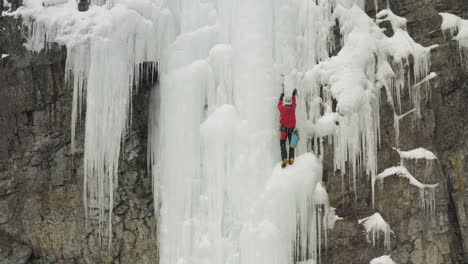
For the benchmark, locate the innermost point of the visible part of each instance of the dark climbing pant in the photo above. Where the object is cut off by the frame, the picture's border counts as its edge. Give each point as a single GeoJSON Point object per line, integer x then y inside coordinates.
{"type": "Point", "coordinates": [288, 134]}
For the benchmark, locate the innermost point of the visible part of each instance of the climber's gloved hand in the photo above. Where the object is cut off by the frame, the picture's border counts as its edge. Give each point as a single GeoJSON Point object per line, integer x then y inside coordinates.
{"type": "Point", "coordinates": [282, 95]}
{"type": "Point", "coordinates": [294, 92]}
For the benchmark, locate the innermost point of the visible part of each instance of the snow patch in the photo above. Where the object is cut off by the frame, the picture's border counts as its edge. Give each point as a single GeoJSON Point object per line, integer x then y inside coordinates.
{"type": "Point", "coordinates": [382, 260]}
{"type": "Point", "coordinates": [419, 153]}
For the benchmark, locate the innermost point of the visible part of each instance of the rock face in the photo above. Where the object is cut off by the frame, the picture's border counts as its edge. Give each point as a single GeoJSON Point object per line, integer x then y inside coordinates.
{"type": "Point", "coordinates": [41, 211]}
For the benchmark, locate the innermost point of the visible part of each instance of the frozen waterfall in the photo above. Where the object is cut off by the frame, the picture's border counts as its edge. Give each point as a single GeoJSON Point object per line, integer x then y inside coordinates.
{"type": "Point", "coordinates": [216, 142]}
{"type": "Point", "coordinates": [219, 194]}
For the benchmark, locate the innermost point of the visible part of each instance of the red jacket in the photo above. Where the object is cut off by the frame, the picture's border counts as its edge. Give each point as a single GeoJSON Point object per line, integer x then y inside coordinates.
{"type": "Point", "coordinates": [287, 113]}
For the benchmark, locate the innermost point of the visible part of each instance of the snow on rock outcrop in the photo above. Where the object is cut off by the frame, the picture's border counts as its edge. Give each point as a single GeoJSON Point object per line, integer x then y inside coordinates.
{"type": "Point", "coordinates": [458, 28]}
{"type": "Point", "coordinates": [426, 191]}
{"type": "Point", "coordinates": [419, 153]}
{"type": "Point", "coordinates": [375, 225]}
{"type": "Point", "coordinates": [382, 260]}
{"type": "Point", "coordinates": [6, 5]}
{"type": "Point", "coordinates": [416, 155]}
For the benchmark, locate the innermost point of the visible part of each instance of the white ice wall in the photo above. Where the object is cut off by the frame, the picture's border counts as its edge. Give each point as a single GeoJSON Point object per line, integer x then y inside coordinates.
{"type": "Point", "coordinates": [213, 118]}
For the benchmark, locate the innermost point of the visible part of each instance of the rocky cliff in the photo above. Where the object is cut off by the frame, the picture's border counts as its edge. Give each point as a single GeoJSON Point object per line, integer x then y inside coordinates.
{"type": "Point", "coordinates": [41, 208]}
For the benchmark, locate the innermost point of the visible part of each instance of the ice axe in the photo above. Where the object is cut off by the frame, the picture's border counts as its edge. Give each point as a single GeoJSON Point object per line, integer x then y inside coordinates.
{"type": "Point", "coordinates": [282, 82]}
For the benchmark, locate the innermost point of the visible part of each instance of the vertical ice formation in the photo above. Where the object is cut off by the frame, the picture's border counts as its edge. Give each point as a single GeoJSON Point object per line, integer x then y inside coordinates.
{"type": "Point", "coordinates": [375, 225]}
{"type": "Point", "coordinates": [396, 124]}
{"type": "Point", "coordinates": [215, 128]}
{"type": "Point", "coordinates": [214, 137]}
{"type": "Point", "coordinates": [270, 225]}
{"type": "Point", "coordinates": [458, 28]}
{"type": "Point", "coordinates": [382, 260]}
{"type": "Point", "coordinates": [103, 58]}
{"type": "Point", "coordinates": [402, 48]}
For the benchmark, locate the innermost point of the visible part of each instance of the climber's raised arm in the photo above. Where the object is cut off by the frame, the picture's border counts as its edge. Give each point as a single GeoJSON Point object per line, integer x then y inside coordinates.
{"type": "Point", "coordinates": [294, 94]}
{"type": "Point", "coordinates": [280, 102]}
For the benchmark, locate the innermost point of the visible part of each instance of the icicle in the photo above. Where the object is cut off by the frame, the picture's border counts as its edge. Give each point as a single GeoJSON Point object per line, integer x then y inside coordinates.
{"type": "Point", "coordinates": [375, 224]}
{"type": "Point", "coordinates": [426, 191]}
{"type": "Point", "coordinates": [103, 66]}
{"type": "Point", "coordinates": [459, 30]}
{"type": "Point", "coordinates": [396, 125]}
{"type": "Point", "coordinates": [401, 48]}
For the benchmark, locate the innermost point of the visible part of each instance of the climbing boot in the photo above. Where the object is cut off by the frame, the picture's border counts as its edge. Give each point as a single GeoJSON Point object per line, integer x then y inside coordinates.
{"type": "Point", "coordinates": [284, 163]}
{"type": "Point", "coordinates": [291, 161]}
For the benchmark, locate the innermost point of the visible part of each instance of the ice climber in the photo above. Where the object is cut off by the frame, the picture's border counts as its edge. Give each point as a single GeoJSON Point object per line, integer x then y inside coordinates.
{"type": "Point", "coordinates": [287, 109]}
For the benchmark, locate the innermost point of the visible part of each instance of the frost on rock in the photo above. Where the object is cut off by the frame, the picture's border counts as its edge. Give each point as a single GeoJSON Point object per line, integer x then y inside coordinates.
{"type": "Point", "coordinates": [458, 28]}
{"type": "Point", "coordinates": [103, 67]}
{"type": "Point", "coordinates": [4, 56]}
{"type": "Point", "coordinates": [375, 225]}
{"type": "Point", "coordinates": [382, 260]}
